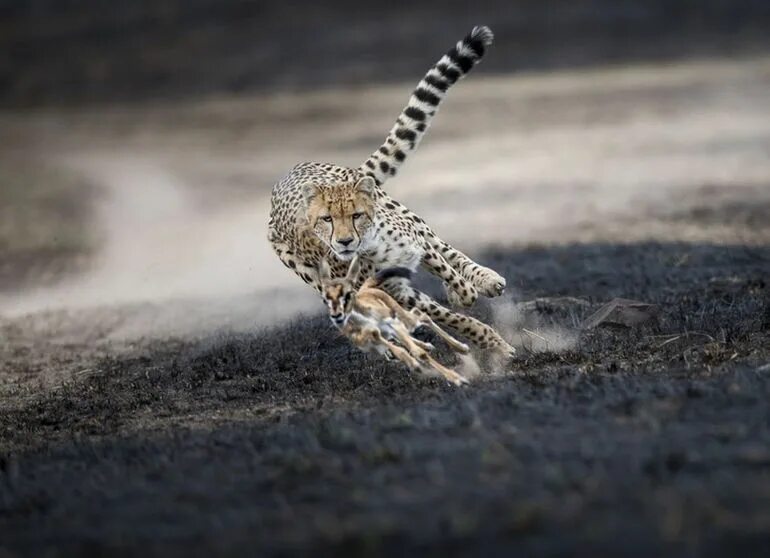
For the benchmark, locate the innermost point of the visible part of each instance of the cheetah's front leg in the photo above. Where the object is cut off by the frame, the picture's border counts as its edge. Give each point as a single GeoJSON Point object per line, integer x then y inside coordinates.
{"type": "Point", "coordinates": [308, 273]}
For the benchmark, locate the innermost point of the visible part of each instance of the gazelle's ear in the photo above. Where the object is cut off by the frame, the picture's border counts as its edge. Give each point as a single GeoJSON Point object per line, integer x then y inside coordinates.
{"type": "Point", "coordinates": [324, 272]}
{"type": "Point", "coordinates": [309, 191]}
{"type": "Point", "coordinates": [366, 185]}
{"type": "Point", "coordinates": [355, 267]}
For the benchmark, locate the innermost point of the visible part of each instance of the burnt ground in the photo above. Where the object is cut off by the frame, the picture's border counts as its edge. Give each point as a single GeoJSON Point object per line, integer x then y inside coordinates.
{"type": "Point", "coordinates": [647, 442]}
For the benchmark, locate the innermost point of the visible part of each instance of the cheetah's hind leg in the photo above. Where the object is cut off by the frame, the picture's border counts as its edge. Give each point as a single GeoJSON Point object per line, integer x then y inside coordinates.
{"type": "Point", "coordinates": [424, 320]}
{"type": "Point", "coordinates": [454, 299]}
{"type": "Point", "coordinates": [478, 333]}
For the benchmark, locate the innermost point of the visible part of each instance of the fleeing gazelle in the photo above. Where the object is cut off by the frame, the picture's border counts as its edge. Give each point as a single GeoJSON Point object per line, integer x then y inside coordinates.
{"type": "Point", "coordinates": [375, 322]}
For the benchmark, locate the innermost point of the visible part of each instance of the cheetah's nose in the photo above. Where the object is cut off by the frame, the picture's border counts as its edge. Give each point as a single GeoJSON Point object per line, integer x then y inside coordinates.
{"type": "Point", "coordinates": [345, 241]}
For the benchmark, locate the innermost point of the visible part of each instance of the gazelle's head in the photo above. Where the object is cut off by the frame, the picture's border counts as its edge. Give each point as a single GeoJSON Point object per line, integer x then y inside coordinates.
{"type": "Point", "coordinates": [339, 293]}
{"type": "Point", "coordinates": [341, 215]}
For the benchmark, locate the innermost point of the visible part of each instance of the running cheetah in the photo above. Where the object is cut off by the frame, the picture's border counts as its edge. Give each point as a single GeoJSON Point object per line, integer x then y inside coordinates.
{"type": "Point", "coordinates": [323, 211]}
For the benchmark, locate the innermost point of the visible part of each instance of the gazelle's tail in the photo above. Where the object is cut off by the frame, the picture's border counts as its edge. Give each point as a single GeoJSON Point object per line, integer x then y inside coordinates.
{"type": "Point", "coordinates": [414, 120]}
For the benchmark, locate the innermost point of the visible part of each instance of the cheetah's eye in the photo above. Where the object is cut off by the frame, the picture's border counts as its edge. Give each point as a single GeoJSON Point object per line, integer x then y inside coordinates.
{"type": "Point", "coordinates": [357, 215]}
{"type": "Point", "coordinates": [327, 218]}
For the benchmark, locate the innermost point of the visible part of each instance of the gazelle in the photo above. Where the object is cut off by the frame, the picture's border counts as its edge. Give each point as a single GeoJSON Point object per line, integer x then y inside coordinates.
{"type": "Point", "coordinates": [375, 322]}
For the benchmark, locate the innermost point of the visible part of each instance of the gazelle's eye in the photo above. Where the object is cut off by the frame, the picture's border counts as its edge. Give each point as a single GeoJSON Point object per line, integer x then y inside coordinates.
{"type": "Point", "coordinates": [357, 215]}
{"type": "Point", "coordinates": [327, 218]}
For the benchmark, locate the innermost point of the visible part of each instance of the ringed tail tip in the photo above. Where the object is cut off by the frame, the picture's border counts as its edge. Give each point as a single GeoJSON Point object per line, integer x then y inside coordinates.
{"type": "Point", "coordinates": [483, 34]}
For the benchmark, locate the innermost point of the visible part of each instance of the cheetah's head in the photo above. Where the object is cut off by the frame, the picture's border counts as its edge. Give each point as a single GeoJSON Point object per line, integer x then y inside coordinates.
{"type": "Point", "coordinates": [341, 215]}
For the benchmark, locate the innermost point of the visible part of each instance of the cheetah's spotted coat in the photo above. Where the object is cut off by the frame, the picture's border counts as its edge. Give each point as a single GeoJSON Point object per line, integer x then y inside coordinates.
{"type": "Point", "coordinates": [324, 211]}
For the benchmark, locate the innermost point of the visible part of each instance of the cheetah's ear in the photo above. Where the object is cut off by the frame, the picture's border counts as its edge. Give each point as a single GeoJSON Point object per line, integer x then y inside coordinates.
{"type": "Point", "coordinates": [310, 191]}
{"type": "Point", "coordinates": [366, 185]}
{"type": "Point", "coordinates": [355, 267]}
{"type": "Point", "coordinates": [324, 271]}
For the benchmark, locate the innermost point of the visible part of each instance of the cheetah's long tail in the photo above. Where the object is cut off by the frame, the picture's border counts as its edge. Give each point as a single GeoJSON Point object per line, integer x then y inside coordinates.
{"type": "Point", "coordinates": [414, 120]}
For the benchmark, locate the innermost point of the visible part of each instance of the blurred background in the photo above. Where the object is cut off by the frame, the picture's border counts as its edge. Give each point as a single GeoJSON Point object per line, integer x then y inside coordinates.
{"type": "Point", "coordinates": [75, 52]}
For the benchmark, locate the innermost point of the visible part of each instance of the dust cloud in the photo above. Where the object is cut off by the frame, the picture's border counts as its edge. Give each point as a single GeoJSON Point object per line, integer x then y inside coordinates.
{"type": "Point", "coordinates": [528, 332]}
{"type": "Point", "coordinates": [208, 268]}
{"type": "Point", "coordinates": [468, 366]}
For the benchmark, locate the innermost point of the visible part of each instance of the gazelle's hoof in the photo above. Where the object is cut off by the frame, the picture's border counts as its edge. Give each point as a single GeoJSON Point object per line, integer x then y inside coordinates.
{"type": "Point", "coordinates": [459, 381]}
{"type": "Point", "coordinates": [462, 348]}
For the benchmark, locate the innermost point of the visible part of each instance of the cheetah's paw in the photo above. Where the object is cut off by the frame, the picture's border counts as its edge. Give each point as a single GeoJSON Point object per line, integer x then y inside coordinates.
{"type": "Point", "coordinates": [507, 351]}
{"type": "Point", "coordinates": [489, 282]}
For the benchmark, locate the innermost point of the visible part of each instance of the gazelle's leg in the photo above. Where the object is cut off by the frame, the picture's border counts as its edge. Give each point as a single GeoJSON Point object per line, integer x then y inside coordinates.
{"type": "Point", "coordinates": [449, 374]}
{"type": "Point", "coordinates": [423, 345]}
{"type": "Point", "coordinates": [415, 318]}
{"type": "Point", "coordinates": [424, 356]}
{"type": "Point", "coordinates": [398, 352]}
{"type": "Point", "coordinates": [409, 342]}
{"type": "Point", "coordinates": [407, 322]}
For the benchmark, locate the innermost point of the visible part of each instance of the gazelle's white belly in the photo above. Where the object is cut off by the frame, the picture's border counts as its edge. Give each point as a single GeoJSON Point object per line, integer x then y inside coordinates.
{"type": "Point", "coordinates": [385, 326]}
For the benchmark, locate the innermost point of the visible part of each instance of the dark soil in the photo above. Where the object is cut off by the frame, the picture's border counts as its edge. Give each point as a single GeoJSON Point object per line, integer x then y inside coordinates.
{"type": "Point", "coordinates": [653, 441]}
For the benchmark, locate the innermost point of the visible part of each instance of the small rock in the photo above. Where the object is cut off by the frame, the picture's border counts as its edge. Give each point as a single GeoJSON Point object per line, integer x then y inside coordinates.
{"type": "Point", "coordinates": [622, 312]}
{"type": "Point", "coordinates": [754, 454]}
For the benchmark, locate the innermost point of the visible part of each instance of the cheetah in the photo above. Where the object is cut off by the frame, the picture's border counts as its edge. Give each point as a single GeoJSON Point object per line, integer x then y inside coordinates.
{"type": "Point", "coordinates": [375, 322]}
{"type": "Point", "coordinates": [323, 211]}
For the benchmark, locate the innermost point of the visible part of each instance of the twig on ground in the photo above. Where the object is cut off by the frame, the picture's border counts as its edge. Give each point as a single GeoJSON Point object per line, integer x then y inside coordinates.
{"type": "Point", "coordinates": [675, 336]}
{"type": "Point", "coordinates": [666, 342]}
{"type": "Point", "coordinates": [527, 331]}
